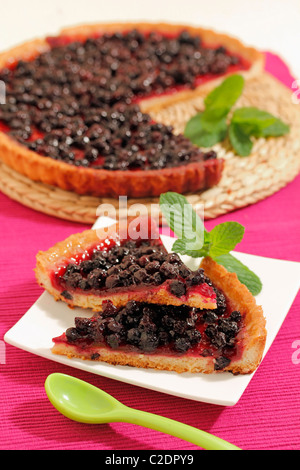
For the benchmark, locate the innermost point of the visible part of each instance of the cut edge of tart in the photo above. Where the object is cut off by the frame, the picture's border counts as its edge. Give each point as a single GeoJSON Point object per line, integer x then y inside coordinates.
{"type": "Point", "coordinates": [237, 339]}
{"type": "Point", "coordinates": [90, 267]}
{"type": "Point", "coordinates": [133, 183]}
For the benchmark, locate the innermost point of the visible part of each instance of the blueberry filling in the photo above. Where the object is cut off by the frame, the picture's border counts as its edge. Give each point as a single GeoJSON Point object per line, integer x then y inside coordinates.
{"type": "Point", "coordinates": [76, 102]}
{"type": "Point", "coordinates": [147, 328]}
{"type": "Point", "coordinates": [133, 263]}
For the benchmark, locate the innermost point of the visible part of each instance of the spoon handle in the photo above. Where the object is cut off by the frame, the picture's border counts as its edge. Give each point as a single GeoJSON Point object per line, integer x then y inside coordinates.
{"type": "Point", "coordinates": [175, 428]}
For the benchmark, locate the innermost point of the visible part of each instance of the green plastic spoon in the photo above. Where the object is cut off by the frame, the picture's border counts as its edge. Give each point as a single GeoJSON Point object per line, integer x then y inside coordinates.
{"type": "Point", "coordinates": [82, 402]}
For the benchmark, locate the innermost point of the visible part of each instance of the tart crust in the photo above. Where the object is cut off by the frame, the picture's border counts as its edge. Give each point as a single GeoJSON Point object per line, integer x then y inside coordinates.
{"type": "Point", "coordinates": [97, 182]}
{"type": "Point", "coordinates": [61, 253]}
{"type": "Point", "coordinates": [241, 299]}
{"type": "Point", "coordinates": [252, 336]}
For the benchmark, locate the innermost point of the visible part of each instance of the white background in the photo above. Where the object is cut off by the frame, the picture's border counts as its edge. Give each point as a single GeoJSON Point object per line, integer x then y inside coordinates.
{"type": "Point", "coordinates": [272, 25]}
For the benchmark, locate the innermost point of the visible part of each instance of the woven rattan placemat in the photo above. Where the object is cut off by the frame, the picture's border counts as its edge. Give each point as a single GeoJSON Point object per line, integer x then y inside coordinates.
{"type": "Point", "coordinates": [273, 163]}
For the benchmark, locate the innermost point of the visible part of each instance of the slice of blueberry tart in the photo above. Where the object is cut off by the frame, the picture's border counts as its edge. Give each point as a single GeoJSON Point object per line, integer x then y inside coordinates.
{"type": "Point", "coordinates": [78, 106]}
{"type": "Point", "coordinates": [121, 263]}
{"type": "Point", "coordinates": [230, 337]}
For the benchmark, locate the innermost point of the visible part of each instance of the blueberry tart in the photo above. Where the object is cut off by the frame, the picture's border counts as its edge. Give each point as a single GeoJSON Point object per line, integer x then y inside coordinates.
{"type": "Point", "coordinates": [121, 263]}
{"type": "Point", "coordinates": [230, 337]}
{"type": "Point", "coordinates": [78, 106]}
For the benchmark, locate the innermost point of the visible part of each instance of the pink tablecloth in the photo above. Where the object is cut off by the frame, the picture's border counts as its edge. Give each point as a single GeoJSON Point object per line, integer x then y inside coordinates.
{"type": "Point", "coordinates": [266, 417]}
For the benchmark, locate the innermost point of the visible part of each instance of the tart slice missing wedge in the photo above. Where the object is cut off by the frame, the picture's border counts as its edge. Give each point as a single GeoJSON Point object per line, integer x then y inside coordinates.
{"type": "Point", "coordinates": [121, 263]}
{"type": "Point", "coordinates": [182, 338]}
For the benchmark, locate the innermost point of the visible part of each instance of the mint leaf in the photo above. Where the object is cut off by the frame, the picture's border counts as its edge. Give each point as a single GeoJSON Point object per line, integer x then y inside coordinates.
{"type": "Point", "coordinates": [219, 101]}
{"type": "Point", "coordinates": [239, 140]}
{"type": "Point", "coordinates": [253, 119]}
{"type": "Point", "coordinates": [224, 237]}
{"type": "Point", "coordinates": [180, 246]}
{"type": "Point", "coordinates": [259, 123]}
{"type": "Point", "coordinates": [244, 274]}
{"type": "Point", "coordinates": [193, 126]}
{"type": "Point", "coordinates": [204, 132]}
{"type": "Point", "coordinates": [213, 125]}
{"type": "Point", "coordinates": [276, 129]}
{"type": "Point", "coordinates": [183, 220]}
{"type": "Point", "coordinates": [249, 121]}
{"type": "Point", "coordinates": [208, 139]}
{"type": "Point", "coordinates": [210, 126]}
{"type": "Point", "coordinates": [195, 241]}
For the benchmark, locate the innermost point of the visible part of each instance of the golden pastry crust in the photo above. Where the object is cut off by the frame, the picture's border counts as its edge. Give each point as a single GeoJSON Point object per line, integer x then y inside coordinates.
{"type": "Point", "coordinates": [104, 183]}
{"type": "Point", "coordinates": [26, 51]}
{"type": "Point", "coordinates": [178, 364]}
{"type": "Point", "coordinates": [60, 254]}
{"type": "Point", "coordinates": [253, 336]}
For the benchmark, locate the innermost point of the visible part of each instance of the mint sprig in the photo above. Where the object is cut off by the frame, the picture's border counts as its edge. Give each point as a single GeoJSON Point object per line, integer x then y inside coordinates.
{"type": "Point", "coordinates": [195, 241]}
{"type": "Point", "coordinates": [211, 126]}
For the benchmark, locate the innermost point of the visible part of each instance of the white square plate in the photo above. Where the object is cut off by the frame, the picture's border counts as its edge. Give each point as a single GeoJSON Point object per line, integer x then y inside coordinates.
{"type": "Point", "coordinates": [47, 319]}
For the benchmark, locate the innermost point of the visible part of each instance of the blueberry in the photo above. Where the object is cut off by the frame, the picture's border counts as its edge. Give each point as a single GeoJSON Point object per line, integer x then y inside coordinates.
{"type": "Point", "coordinates": [169, 270]}
{"type": "Point", "coordinates": [217, 338]}
{"type": "Point", "coordinates": [221, 362]}
{"type": "Point", "coordinates": [195, 278]}
{"type": "Point", "coordinates": [152, 267]}
{"type": "Point", "coordinates": [96, 278]}
{"type": "Point", "coordinates": [156, 279]}
{"type": "Point", "coordinates": [95, 356]}
{"type": "Point", "coordinates": [108, 309]}
{"type": "Point", "coordinates": [182, 344]}
{"type": "Point", "coordinates": [73, 280]}
{"type": "Point", "coordinates": [141, 276]}
{"type": "Point", "coordinates": [113, 340]}
{"type": "Point", "coordinates": [112, 281]}
{"type": "Point", "coordinates": [210, 316]}
{"type": "Point", "coordinates": [84, 284]}
{"type": "Point", "coordinates": [143, 260]}
{"type": "Point", "coordinates": [133, 336]}
{"type": "Point", "coordinates": [235, 316]}
{"type": "Point", "coordinates": [67, 295]}
{"type": "Point", "coordinates": [87, 266]}
{"type": "Point", "coordinates": [84, 325]}
{"type": "Point", "coordinates": [184, 271]}
{"type": "Point", "coordinates": [173, 258]}
{"type": "Point", "coordinates": [221, 302]}
{"type": "Point", "coordinates": [114, 326]}
{"type": "Point", "coordinates": [229, 328]}
{"type": "Point", "coordinates": [72, 334]}
{"type": "Point", "coordinates": [132, 307]}
{"type": "Point", "coordinates": [113, 270]}
{"type": "Point", "coordinates": [177, 288]}
{"type": "Point", "coordinates": [148, 341]}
